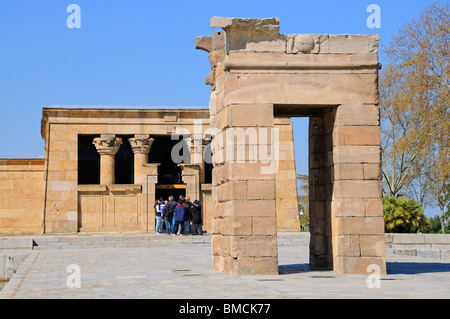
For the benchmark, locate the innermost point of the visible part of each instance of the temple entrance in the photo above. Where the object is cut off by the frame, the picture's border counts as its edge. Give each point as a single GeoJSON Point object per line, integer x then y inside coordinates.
{"type": "Point", "coordinates": [165, 190]}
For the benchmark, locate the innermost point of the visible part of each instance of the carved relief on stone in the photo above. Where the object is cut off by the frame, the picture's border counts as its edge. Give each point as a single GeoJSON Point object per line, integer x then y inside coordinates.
{"type": "Point", "coordinates": [304, 43]}
{"type": "Point", "coordinates": [141, 145]}
{"type": "Point", "coordinates": [107, 144]}
{"type": "Point", "coordinates": [317, 125]}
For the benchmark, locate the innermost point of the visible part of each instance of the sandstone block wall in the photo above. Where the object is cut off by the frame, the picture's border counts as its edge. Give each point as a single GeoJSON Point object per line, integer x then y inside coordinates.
{"type": "Point", "coordinates": [21, 196]}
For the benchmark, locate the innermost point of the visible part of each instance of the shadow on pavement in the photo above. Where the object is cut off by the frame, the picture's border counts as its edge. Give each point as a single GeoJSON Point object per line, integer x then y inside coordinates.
{"type": "Point", "coordinates": [395, 268]}
{"type": "Point", "coordinates": [293, 269]}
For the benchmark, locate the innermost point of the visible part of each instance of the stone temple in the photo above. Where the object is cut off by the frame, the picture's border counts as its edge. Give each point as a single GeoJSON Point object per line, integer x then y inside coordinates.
{"type": "Point", "coordinates": [105, 166]}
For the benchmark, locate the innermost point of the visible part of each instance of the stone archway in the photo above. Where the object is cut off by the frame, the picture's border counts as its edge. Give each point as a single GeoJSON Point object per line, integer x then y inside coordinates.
{"type": "Point", "coordinates": [257, 73]}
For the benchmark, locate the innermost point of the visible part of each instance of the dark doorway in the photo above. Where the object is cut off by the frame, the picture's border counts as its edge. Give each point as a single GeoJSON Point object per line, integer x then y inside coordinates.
{"type": "Point", "coordinates": [208, 164]}
{"type": "Point", "coordinates": [164, 193]}
{"type": "Point", "coordinates": [161, 152]}
{"type": "Point", "coordinates": [124, 162]}
{"type": "Point", "coordinates": [88, 161]}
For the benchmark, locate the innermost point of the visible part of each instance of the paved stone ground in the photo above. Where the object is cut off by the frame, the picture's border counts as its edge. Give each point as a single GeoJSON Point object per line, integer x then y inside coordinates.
{"type": "Point", "coordinates": [185, 272]}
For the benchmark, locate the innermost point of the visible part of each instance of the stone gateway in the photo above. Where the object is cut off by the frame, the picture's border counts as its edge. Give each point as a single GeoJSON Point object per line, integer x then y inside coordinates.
{"type": "Point", "coordinates": [259, 76]}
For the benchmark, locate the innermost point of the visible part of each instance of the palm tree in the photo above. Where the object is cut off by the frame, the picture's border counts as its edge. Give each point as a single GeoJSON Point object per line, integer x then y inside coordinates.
{"type": "Point", "coordinates": [403, 215]}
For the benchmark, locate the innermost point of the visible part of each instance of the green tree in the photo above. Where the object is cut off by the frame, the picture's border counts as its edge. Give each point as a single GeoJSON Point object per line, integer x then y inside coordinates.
{"type": "Point", "coordinates": [414, 103]}
{"type": "Point", "coordinates": [433, 227]}
{"type": "Point", "coordinates": [403, 215]}
{"type": "Point", "coordinates": [303, 200]}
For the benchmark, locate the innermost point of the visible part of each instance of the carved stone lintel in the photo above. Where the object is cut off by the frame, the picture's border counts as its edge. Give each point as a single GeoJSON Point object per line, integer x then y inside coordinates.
{"type": "Point", "coordinates": [141, 145]}
{"type": "Point", "coordinates": [107, 145]}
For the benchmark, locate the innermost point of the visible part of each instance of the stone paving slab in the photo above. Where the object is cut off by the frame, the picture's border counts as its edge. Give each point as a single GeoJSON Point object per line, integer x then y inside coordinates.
{"type": "Point", "coordinates": [184, 272]}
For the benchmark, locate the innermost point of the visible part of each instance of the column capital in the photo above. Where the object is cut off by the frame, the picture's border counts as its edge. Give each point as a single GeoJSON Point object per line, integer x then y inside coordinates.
{"type": "Point", "coordinates": [198, 144]}
{"type": "Point", "coordinates": [141, 145]}
{"type": "Point", "coordinates": [107, 145]}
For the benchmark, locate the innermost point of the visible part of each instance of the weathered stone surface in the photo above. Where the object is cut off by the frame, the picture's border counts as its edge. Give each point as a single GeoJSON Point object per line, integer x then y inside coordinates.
{"type": "Point", "coordinates": [358, 225]}
{"type": "Point", "coordinates": [356, 154]}
{"type": "Point", "coordinates": [372, 246]}
{"type": "Point", "coordinates": [349, 171]}
{"type": "Point", "coordinates": [353, 115]}
{"type": "Point", "coordinates": [357, 188]}
{"type": "Point", "coordinates": [21, 196]}
{"type": "Point", "coordinates": [357, 135]}
{"type": "Point", "coordinates": [358, 265]}
{"type": "Point", "coordinates": [349, 207]}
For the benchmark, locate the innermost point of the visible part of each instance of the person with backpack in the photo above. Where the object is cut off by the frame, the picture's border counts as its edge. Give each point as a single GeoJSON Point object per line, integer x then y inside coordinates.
{"type": "Point", "coordinates": [197, 218]}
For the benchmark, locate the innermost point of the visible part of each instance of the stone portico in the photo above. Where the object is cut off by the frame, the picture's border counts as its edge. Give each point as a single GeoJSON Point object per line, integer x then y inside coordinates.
{"type": "Point", "coordinates": [83, 186]}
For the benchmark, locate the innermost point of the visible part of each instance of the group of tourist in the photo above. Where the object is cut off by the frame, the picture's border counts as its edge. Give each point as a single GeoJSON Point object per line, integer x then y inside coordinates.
{"type": "Point", "coordinates": [181, 217]}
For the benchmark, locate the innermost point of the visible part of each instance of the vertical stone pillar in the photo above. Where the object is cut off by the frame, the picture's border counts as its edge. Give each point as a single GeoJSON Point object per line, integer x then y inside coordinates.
{"type": "Point", "coordinates": [197, 156]}
{"type": "Point", "coordinates": [286, 181]}
{"type": "Point", "coordinates": [191, 177]}
{"type": "Point", "coordinates": [141, 147]}
{"type": "Point", "coordinates": [321, 189]}
{"type": "Point", "coordinates": [107, 146]}
{"type": "Point", "coordinates": [150, 178]}
{"type": "Point", "coordinates": [144, 175]}
{"type": "Point", "coordinates": [245, 226]}
{"type": "Point", "coordinates": [357, 209]}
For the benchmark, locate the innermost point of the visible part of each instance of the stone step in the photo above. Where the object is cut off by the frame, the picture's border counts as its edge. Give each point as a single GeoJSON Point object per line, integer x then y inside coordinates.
{"type": "Point", "coordinates": [116, 241]}
{"type": "Point", "coordinates": [143, 240]}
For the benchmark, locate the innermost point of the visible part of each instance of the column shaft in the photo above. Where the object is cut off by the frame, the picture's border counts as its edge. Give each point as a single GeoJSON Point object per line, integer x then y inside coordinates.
{"type": "Point", "coordinates": [107, 146]}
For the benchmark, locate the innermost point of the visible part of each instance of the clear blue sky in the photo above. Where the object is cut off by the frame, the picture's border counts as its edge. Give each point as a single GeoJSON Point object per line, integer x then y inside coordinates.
{"type": "Point", "coordinates": [141, 53]}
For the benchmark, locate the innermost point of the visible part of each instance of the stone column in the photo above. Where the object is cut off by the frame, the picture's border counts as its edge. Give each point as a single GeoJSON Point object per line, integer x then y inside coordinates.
{"type": "Point", "coordinates": [150, 178]}
{"type": "Point", "coordinates": [141, 147]}
{"type": "Point", "coordinates": [107, 146]}
{"type": "Point", "coordinates": [197, 156]}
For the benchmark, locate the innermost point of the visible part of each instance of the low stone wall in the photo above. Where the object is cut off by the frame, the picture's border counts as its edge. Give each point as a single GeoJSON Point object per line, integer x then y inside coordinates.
{"type": "Point", "coordinates": [435, 246]}
{"type": "Point", "coordinates": [21, 196]}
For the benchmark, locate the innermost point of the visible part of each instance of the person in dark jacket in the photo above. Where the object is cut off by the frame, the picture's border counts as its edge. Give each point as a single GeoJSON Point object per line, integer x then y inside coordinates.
{"type": "Point", "coordinates": [187, 216]}
{"type": "Point", "coordinates": [166, 217]}
{"type": "Point", "coordinates": [197, 218]}
{"type": "Point", "coordinates": [178, 216]}
{"type": "Point", "coordinates": [170, 210]}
